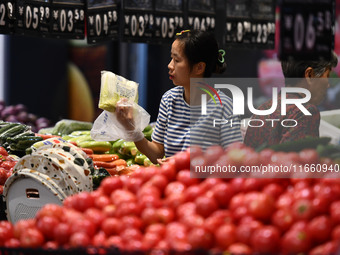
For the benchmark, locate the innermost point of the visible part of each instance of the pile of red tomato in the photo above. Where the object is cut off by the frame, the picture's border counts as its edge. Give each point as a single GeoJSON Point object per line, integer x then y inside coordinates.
{"type": "Point", "coordinates": [7, 164]}
{"type": "Point", "coordinates": [163, 208]}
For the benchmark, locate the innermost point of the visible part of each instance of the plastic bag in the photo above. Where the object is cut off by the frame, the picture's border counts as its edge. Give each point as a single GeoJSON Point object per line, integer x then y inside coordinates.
{"type": "Point", "coordinates": [107, 127]}
{"type": "Point", "coordinates": [113, 87]}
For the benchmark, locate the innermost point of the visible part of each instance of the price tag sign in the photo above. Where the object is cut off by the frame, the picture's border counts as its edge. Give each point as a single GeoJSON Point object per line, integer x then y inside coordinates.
{"type": "Point", "coordinates": [7, 17]}
{"type": "Point", "coordinates": [250, 23]}
{"type": "Point", "coordinates": [33, 17]}
{"type": "Point", "coordinates": [201, 15]}
{"type": "Point", "coordinates": [307, 29]}
{"type": "Point", "coordinates": [102, 21]}
{"type": "Point", "coordinates": [68, 19]}
{"type": "Point", "coordinates": [169, 19]}
{"type": "Point", "coordinates": [138, 20]}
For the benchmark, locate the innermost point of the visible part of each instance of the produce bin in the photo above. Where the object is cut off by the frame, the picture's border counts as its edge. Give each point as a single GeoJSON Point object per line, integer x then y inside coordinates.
{"type": "Point", "coordinates": [330, 125]}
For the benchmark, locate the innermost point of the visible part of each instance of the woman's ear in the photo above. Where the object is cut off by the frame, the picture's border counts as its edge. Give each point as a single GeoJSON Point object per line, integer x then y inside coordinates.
{"type": "Point", "coordinates": [199, 68]}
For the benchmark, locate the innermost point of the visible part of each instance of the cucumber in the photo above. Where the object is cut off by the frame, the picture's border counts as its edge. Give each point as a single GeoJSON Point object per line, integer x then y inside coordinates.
{"type": "Point", "coordinates": [298, 145]}
{"type": "Point", "coordinates": [13, 131]}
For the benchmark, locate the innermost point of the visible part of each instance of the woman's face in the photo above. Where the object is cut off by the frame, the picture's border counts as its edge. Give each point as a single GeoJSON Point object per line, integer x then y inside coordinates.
{"type": "Point", "coordinates": [318, 88]}
{"type": "Point", "coordinates": [179, 69]}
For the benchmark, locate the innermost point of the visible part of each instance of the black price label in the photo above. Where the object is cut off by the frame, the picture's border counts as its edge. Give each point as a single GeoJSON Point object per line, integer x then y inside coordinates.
{"type": "Point", "coordinates": [102, 22]}
{"type": "Point", "coordinates": [68, 20]}
{"type": "Point", "coordinates": [201, 15]}
{"type": "Point", "coordinates": [7, 17]}
{"type": "Point", "coordinates": [169, 19]}
{"type": "Point", "coordinates": [137, 20]}
{"type": "Point", "coordinates": [250, 24]}
{"type": "Point", "coordinates": [307, 30]}
{"type": "Point", "coordinates": [138, 26]}
{"type": "Point", "coordinates": [33, 17]}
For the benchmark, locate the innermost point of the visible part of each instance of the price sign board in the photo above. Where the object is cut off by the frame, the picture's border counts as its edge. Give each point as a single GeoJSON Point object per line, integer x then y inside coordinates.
{"type": "Point", "coordinates": [201, 14]}
{"type": "Point", "coordinates": [250, 23]}
{"type": "Point", "coordinates": [68, 19]}
{"type": "Point", "coordinates": [7, 16]}
{"type": "Point", "coordinates": [307, 29]}
{"type": "Point", "coordinates": [33, 17]}
{"type": "Point", "coordinates": [169, 19]}
{"type": "Point", "coordinates": [137, 20]}
{"type": "Point", "coordinates": [102, 21]}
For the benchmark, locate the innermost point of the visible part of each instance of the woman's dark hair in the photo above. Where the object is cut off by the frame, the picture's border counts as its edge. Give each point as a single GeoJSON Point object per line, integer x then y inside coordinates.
{"type": "Point", "coordinates": [296, 69]}
{"type": "Point", "coordinates": [201, 46]}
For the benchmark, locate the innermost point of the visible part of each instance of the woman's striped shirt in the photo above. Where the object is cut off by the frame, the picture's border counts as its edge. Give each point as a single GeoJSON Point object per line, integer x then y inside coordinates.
{"type": "Point", "coordinates": [178, 125]}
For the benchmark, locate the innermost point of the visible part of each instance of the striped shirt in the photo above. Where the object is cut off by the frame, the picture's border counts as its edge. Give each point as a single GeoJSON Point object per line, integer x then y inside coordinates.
{"type": "Point", "coordinates": [178, 125]}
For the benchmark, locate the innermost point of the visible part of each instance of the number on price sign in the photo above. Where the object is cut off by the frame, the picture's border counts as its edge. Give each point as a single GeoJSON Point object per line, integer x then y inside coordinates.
{"type": "Point", "coordinates": [307, 33]}
{"type": "Point", "coordinates": [68, 20]}
{"type": "Point", "coordinates": [7, 17]}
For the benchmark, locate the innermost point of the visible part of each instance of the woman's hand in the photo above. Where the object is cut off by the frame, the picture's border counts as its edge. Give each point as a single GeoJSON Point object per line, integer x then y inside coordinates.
{"type": "Point", "coordinates": [124, 113]}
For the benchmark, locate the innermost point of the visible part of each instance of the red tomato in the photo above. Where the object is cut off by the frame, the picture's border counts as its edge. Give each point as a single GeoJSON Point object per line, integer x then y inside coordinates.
{"type": "Point", "coordinates": [225, 235]}
{"type": "Point", "coordinates": [3, 151]}
{"type": "Point", "coordinates": [46, 226]}
{"type": "Point", "coordinates": [8, 165]}
{"type": "Point", "coordinates": [283, 219]}
{"type": "Point", "coordinates": [131, 234]}
{"type": "Point", "coordinates": [131, 222]}
{"type": "Point", "coordinates": [184, 177]}
{"type": "Point", "coordinates": [157, 228]}
{"type": "Point", "coordinates": [209, 183]}
{"type": "Point", "coordinates": [31, 238]}
{"type": "Point", "coordinates": [80, 239]}
{"type": "Point", "coordinates": [83, 201]}
{"type": "Point", "coordinates": [320, 228]}
{"type": "Point", "coordinates": [133, 184]}
{"type": "Point", "coordinates": [127, 208]}
{"type": "Point", "coordinates": [213, 153]}
{"type": "Point", "coordinates": [168, 170]}
{"type": "Point", "coordinates": [148, 190]}
{"type": "Point", "coordinates": [335, 212]}
{"type": "Point", "coordinates": [111, 184]}
{"type": "Point", "coordinates": [273, 189]}
{"type": "Point", "coordinates": [206, 205]}
{"type": "Point", "coordinates": [200, 238]}
{"type": "Point", "coordinates": [52, 210]}
{"type": "Point", "coordinates": [302, 209]}
{"type": "Point", "coordinates": [309, 156]}
{"type": "Point", "coordinates": [111, 226]}
{"type": "Point", "coordinates": [262, 207]}
{"type": "Point", "coordinates": [3, 175]}
{"type": "Point", "coordinates": [149, 201]}
{"type": "Point", "coordinates": [21, 226]}
{"type": "Point", "coordinates": [62, 233]}
{"type": "Point", "coordinates": [244, 231]}
{"type": "Point", "coordinates": [216, 219]}
{"type": "Point", "coordinates": [182, 160]}
{"type": "Point", "coordinates": [237, 201]}
{"type": "Point", "coordinates": [115, 241]}
{"type": "Point", "coordinates": [296, 241]}
{"type": "Point", "coordinates": [6, 232]}
{"type": "Point", "coordinates": [285, 200]}
{"type": "Point", "coordinates": [174, 188]}
{"type": "Point", "coordinates": [119, 196]}
{"type": "Point", "coordinates": [185, 208]}
{"type": "Point", "coordinates": [12, 243]}
{"type": "Point", "coordinates": [336, 233]}
{"type": "Point", "coordinates": [192, 192]}
{"type": "Point", "coordinates": [195, 150]}
{"type": "Point", "coordinates": [223, 192]}
{"type": "Point", "coordinates": [265, 239]}
{"type": "Point", "coordinates": [192, 221]}
{"type": "Point", "coordinates": [84, 225]}
{"type": "Point", "coordinates": [165, 215]}
{"type": "Point", "coordinates": [150, 240]}
{"type": "Point", "coordinates": [159, 181]}
{"type": "Point", "coordinates": [239, 248]}
{"type": "Point", "coordinates": [95, 215]}
{"type": "Point", "coordinates": [99, 239]}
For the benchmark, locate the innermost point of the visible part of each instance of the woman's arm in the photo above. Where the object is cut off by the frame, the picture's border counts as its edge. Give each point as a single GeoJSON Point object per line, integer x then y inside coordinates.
{"type": "Point", "coordinates": [152, 150]}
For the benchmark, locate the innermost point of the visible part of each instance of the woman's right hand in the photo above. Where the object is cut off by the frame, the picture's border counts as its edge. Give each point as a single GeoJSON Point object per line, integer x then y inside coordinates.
{"type": "Point", "coordinates": [124, 113]}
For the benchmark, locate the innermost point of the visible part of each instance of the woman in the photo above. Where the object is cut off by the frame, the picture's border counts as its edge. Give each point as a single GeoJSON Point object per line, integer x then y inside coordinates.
{"type": "Point", "coordinates": [194, 54]}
